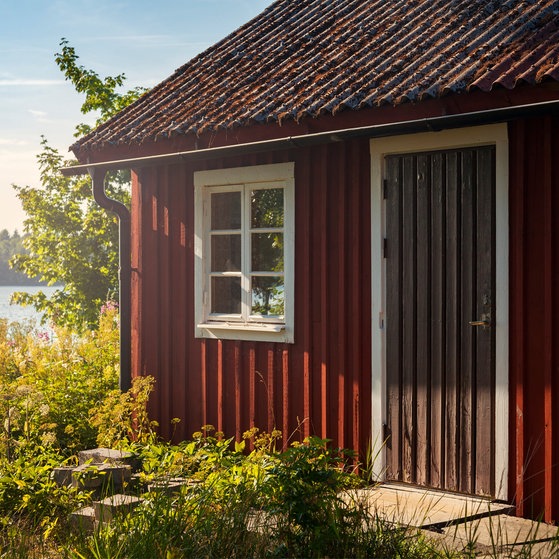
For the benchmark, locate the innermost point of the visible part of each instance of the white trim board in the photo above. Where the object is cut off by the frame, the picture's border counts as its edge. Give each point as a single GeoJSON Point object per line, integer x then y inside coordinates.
{"type": "Point", "coordinates": [380, 147]}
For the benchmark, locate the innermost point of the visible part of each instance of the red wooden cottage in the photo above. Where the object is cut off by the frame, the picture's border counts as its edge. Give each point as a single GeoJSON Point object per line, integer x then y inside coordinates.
{"type": "Point", "coordinates": [343, 223]}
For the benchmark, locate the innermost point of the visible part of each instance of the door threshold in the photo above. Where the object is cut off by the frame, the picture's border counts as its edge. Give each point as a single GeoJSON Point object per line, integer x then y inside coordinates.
{"type": "Point", "coordinates": [429, 509]}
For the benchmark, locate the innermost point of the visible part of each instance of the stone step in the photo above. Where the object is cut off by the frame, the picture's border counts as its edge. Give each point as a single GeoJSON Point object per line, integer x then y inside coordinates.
{"type": "Point", "coordinates": [115, 505]}
{"type": "Point", "coordinates": [168, 486]}
{"type": "Point", "coordinates": [62, 475]}
{"type": "Point", "coordinates": [109, 456]}
{"type": "Point", "coordinates": [83, 520]}
{"type": "Point", "coordinates": [98, 476]}
{"type": "Point", "coordinates": [506, 532]}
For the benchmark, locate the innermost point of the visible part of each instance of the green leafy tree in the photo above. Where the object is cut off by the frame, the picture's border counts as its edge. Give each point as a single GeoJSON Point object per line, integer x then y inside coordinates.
{"type": "Point", "coordinates": [101, 94]}
{"type": "Point", "coordinates": [10, 245]}
{"type": "Point", "coordinates": [70, 241]}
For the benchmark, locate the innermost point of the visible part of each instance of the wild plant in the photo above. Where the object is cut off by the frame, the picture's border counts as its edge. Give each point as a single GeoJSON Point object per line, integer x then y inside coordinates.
{"type": "Point", "coordinates": [248, 499]}
{"type": "Point", "coordinates": [48, 383]}
{"type": "Point", "coordinates": [121, 418]}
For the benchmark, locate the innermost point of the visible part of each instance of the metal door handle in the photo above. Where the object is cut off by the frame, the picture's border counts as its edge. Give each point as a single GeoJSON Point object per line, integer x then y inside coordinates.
{"type": "Point", "coordinates": [484, 321]}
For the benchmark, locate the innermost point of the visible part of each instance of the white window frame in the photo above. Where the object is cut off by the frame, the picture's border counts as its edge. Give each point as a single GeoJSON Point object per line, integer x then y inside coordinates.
{"type": "Point", "coordinates": [244, 326]}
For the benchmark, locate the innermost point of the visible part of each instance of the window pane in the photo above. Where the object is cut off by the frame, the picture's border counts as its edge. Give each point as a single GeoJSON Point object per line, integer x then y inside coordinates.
{"type": "Point", "coordinates": [226, 253]}
{"type": "Point", "coordinates": [267, 252]}
{"type": "Point", "coordinates": [268, 296]}
{"type": "Point", "coordinates": [226, 210]}
{"type": "Point", "coordinates": [226, 295]}
{"type": "Point", "coordinates": [266, 208]}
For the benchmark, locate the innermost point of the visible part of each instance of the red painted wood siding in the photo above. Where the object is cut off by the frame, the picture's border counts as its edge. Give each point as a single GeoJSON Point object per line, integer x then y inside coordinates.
{"type": "Point", "coordinates": [534, 316]}
{"type": "Point", "coordinates": [319, 385]}
{"type": "Point", "coordinates": [322, 382]}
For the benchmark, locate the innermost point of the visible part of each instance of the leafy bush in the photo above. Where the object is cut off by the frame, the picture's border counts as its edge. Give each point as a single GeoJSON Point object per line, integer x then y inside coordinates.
{"type": "Point", "coordinates": [263, 503]}
{"type": "Point", "coordinates": [247, 498]}
{"type": "Point", "coordinates": [49, 381]}
{"type": "Point", "coordinates": [122, 420]}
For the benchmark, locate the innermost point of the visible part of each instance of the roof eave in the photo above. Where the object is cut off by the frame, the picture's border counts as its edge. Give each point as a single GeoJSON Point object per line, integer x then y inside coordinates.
{"type": "Point", "coordinates": [430, 124]}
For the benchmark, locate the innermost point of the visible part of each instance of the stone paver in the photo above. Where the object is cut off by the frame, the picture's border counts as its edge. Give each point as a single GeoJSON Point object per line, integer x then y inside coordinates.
{"type": "Point", "coordinates": [503, 531]}
{"type": "Point", "coordinates": [83, 519]}
{"type": "Point", "coordinates": [168, 486]}
{"type": "Point", "coordinates": [541, 550]}
{"type": "Point", "coordinates": [421, 508]}
{"type": "Point", "coordinates": [92, 476]}
{"type": "Point", "coordinates": [115, 505]}
{"type": "Point", "coordinates": [108, 456]}
{"type": "Point", "coordinates": [468, 525]}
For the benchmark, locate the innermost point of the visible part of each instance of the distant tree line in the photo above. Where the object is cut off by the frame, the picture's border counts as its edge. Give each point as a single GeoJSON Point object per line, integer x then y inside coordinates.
{"type": "Point", "coordinates": [10, 245]}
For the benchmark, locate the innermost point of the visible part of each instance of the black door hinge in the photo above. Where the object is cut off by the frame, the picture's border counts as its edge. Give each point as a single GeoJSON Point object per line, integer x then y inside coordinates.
{"type": "Point", "coordinates": [386, 439]}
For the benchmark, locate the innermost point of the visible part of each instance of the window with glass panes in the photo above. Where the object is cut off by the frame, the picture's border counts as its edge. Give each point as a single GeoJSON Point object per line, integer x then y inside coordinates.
{"type": "Point", "coordinates": [244, 252]}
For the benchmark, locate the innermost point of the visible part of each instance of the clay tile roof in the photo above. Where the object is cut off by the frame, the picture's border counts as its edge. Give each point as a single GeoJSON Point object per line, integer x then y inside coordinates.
{"type": "Point", "coordinates": [305, 58]}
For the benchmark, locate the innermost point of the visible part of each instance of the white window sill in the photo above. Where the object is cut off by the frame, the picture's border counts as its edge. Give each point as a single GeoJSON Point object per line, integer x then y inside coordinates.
{"type": "Point", "coordinates": [242, 326]}
{"type": "Point", "coordinates": [244, 331]}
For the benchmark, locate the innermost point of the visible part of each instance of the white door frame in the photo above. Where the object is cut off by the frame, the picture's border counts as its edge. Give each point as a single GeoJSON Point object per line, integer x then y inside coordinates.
{"type": "Point", "coordinates": [495, 134]}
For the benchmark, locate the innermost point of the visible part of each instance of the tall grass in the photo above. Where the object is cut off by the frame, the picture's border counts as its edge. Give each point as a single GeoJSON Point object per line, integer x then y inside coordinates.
{"type": "Point", "coordinates": [262, 504]}
{"type": "Point", "coordinates": [198, 524]}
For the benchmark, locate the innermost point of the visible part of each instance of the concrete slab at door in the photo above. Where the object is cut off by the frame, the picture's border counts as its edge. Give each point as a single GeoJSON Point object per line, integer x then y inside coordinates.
{"type": "Point", "coordinates": [410, 506]}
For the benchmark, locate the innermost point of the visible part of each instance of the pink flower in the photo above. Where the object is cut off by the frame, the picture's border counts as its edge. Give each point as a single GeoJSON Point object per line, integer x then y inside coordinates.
{"type": "Point", "coordinates": [109, 306]}
{"type": "Point", "coordinates": [43, 336]}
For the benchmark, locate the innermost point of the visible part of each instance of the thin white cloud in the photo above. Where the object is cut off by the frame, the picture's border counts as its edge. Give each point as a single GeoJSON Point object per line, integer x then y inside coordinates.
{"type": "Point", "coordinates": [40, 116]}
{"type": "Point", "coordinates": [130, 38]}
{"type": "Point", "coordinates": [12, 142]}
{"type": "Point", "coordinates": [18, 82]}
{"type": "Point", "coordinates": [155, 41]}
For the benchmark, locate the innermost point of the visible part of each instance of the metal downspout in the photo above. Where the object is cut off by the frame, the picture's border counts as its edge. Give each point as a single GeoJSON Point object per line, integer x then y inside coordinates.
{"type": "Point", "coordinates": [124, 276]}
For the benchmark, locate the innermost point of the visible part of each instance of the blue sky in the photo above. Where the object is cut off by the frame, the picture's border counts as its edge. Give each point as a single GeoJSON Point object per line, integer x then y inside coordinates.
{"type": "Point", "coordinates": [147, 40]}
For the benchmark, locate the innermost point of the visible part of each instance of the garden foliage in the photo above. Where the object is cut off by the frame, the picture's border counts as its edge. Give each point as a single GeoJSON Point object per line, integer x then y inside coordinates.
{"type": "Point", "coordinates": [261, 496]}
{"type": "Point", "coordinates": [250, 499]}
{"type": "Point", "coordinates": [49, 382]}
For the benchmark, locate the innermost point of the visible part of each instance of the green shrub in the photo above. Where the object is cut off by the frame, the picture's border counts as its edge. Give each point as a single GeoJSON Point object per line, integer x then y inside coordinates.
{"type": "Point", "coordinates": [121, 420]}
{"type": "Point", "coordinates": [245, 498]}
{"type": "Point", "coordinates": [49, 381]}
{"type": "Point", "coordinates": [265, 503]}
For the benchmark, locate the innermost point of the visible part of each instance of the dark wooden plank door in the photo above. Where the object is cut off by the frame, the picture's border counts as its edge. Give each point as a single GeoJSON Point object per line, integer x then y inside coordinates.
{"type": "Point", "coordinates": [440, 296]}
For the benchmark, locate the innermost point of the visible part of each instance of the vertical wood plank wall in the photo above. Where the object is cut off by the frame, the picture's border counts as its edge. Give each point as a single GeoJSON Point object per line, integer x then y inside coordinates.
{"type": "Point", "coordinates": [322, 382]}
{"type": "Point", "coordinates": [319, 385]}
{"type": "Point", "coordinates": [534, 316]}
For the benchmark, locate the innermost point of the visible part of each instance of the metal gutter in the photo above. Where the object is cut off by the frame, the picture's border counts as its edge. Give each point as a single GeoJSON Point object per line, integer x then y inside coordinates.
{"type": "Point", "coordinates": [430, 124]}
{"type": "Point", "coordinates": [124, 276]}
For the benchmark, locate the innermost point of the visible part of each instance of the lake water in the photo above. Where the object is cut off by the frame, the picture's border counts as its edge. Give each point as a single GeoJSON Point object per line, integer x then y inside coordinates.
{"type": "Point", "coordinates": [17, 312]}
